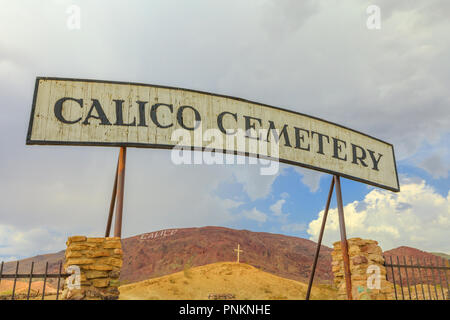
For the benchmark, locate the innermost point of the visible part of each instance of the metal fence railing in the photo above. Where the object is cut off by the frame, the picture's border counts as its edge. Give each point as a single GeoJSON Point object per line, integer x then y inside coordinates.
{"type": "Point", "coordinates": [16, 276]}
{"type": "Point", "coordinates": [418, 279]}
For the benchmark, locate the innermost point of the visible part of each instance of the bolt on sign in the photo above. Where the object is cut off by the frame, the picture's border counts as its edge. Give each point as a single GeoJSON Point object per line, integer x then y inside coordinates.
{"type": "Point", "coordinates": [107, 113]}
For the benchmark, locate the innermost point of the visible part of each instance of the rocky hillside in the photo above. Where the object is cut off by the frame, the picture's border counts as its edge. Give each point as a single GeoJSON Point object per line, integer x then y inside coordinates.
{"type": "Point", "coordinates": [169, 251]}
{"type": "Point", "coordinates": [416, 257]}
{"type": "Point", "coordinates": [223, 281]}
{"type": "Point", "coordinates": [164, 252]}
{"type": "Point", "coordinates": [408, 253]}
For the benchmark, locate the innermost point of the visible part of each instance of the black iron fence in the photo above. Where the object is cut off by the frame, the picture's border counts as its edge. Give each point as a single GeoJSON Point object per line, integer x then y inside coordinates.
{"type": "Point", "coordinates": [413, 278]}
{"type": "Point", "coordinates": [28, 277]}
{"type": "Point", "coordinates": [417, 278]}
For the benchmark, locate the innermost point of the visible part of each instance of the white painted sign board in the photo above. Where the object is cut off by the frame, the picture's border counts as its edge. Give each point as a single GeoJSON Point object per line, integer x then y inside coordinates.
{"type": "Point", "coordinates": [107, 113]}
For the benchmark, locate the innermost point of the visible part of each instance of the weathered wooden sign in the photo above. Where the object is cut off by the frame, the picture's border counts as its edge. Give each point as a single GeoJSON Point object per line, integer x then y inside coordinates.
{"type": "Point", "coordinates": [107, 113]}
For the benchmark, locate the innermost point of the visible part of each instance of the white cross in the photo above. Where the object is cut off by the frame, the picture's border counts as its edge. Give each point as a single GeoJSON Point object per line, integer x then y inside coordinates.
{"type": "Point", "coordinates": [238, 251]}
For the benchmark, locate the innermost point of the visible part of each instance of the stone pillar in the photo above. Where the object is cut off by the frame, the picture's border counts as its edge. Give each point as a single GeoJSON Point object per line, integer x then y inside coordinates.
{"type": "Point", "coordinates": [367, 270]}
{"type": "Point", "coordinates": [100, 261]}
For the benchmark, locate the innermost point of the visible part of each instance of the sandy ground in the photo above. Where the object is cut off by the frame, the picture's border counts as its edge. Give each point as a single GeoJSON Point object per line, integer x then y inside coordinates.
{"type": "Point", "coordinates": [229, 280]}
{"type": "Point", "coordinates": [6, 286]}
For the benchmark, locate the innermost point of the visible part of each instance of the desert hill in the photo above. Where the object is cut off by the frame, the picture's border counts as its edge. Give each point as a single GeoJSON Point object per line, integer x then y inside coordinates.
{"type": "Point", "coordinates": [442, 255]}
{"type": "Point", "coordinates": [22, 288]}
{"type": "Point", "coordinates": [408, 252]}
{"type": "Point", "coordinates": [415, 256]}
{"type": "Point", "coordinates": [53, 260]}
{"type": "Point", "coordinates": [222, 280]}
{"type": "Point", "coordinates": [164, 252]}
{"type": "Point", "coordinates": [169, 251]}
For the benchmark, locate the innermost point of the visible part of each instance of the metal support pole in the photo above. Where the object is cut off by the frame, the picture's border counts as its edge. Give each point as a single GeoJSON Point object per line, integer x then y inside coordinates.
{"type": "Point", "coordinates": [112, 204]}
{"type": "Point", "coordinates": [344, 244]}
{"type": "Point", "coordinates": [319, 241]}
{"type": "Point", "coordinates": [120, 187]}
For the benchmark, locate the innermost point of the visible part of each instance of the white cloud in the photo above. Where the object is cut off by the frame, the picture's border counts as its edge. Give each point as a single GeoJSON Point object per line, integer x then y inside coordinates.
{"type": "Point", "coordinates": [433, 157]}
{"type": "Point", "coordinates": [255, 214]}
{"type": "Point", "coordinates": [255, 185]}
{"type": "Point", "coordinates": [284, 195]}
{"type": "Point", "coordinates": [277, 209]}
{"type": "Point", "coordinates": [436, 166]}
{"type": "Point", "coordinates": [52, 191]}
{"type": "Point", "coordinates": [15, 242]}
{"type": "Point", "coordinates": [287, 16]}
{"type": "Point", "coordinates": [417, 217]}
{"type": "Point", "coordinates": [310, 178]}
{"type": "Point", "coordinates": [294, 228]}
{"type": "Point", "coordinates": [231, 204]}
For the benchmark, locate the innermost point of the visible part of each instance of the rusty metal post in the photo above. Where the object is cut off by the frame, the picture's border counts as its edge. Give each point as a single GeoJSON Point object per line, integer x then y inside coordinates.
{"type": "Point", "coordinates": [344, 244]}
{"type": "Point", "coordinates": [120, 189]}
{"type": "Point", "coordinates": [1, 271]}
{"type": "Point", "coordinates": [15, 280]}
{"type": "Point", "coordinates": [45, 280]}
{"type": "Point", "coordinates": [319, 241]}
{"type": "Point", "coordinates": [59, 280]}
{"type": "Point", "coordinates": [112, 204]}
{"type": "Point", "coordinates": [29, 281]}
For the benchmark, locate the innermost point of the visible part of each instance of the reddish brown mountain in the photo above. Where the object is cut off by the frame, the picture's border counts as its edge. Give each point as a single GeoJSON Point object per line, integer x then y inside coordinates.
{"type": "Point", "coordinates": [408, 253]}
{"type": "Point", "coordinates": [167, 251]}
{"type": "Point", "coordinates": [411, 256]}
{"type": "Point", "coordinates": [164, 252]}
{"type": "Point", "coordinates": [53, 260]}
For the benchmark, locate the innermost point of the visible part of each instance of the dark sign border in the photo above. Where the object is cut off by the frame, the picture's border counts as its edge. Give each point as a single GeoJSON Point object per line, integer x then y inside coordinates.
{"type": "Point", "coordinates": [29, 141]}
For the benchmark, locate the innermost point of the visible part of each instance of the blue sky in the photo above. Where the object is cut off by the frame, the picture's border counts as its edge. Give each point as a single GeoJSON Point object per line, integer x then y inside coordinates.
{"type": "Point", "coordinates": [302, 204]}
{"type": "Point", "coordinates": [315, 57]}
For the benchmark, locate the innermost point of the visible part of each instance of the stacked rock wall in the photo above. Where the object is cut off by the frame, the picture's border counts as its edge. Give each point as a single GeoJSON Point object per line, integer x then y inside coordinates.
{"type": "Point", "coordinates": [368, 274]}
{"type": "Point", "coordinates": [99, 261]}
